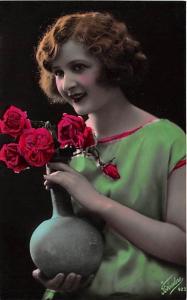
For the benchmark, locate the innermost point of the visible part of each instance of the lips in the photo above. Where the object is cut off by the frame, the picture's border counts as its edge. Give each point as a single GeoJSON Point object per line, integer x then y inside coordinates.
{"type": "Point", "coordinates": [78, 97]}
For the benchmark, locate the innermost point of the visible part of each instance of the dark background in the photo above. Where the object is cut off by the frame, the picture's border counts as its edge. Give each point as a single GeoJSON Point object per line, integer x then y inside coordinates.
{"type": "Point", "coordinates": [160, 26]}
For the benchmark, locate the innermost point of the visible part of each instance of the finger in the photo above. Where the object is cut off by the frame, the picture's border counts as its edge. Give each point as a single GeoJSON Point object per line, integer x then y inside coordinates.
{"type": "Point", "coordinates": [55, 177]}
{"type": "Point", "coordinates": [77, 283]}
{"type": "Point", "coordinates": [48, 170]}
{"type": "Point", "coordinates": [69, 282]}
{"type": "Point", "coordinates": [60, 167]}
{"type": "Point", "coordinates": [37, 274]}
{"type": "Point", "coordinates": [48, 283]}
{"type": "Point", "coordinates": [47, 184]}
{"type": "Point", "coordinates": [56, 282]}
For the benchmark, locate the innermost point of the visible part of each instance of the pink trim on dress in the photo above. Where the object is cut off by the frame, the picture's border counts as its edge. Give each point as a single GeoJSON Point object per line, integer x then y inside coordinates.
{"type": "Point", "coordinates": [124, 134]}
{"type": "Point", "coordinates": [180, 164]}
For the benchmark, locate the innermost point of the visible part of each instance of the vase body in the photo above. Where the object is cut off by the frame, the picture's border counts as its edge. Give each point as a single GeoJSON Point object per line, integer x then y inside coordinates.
{"type": "Point", "coordinates": [65, 243]}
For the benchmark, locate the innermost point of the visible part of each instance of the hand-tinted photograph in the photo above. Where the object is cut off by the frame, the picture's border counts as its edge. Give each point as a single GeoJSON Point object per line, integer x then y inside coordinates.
{"type": "Point", "coordinates": [92, 150]}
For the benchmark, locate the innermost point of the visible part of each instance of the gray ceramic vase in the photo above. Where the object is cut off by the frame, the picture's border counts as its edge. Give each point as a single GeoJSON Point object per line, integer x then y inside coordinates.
{"type": "Point", "coordinates": [66, 243]}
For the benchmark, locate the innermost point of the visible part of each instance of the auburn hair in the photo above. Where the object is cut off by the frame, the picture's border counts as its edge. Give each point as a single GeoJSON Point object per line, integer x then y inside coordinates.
{"type": "Point", "coordinates": [107, 39]}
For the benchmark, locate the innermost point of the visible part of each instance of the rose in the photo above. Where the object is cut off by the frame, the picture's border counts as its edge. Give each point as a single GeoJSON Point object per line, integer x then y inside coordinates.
{"type": "Point", "coordinates": [88, 138]}
{"type": "Point", "coordinates": [37, 146]}
{"type": "Point", "coordinates": [68, 129]}
{"type": "Point", "coordinates": [111, 170]}
{"type": "Point", "coordinates": [72, 131]}
{"type": "Point", "coordinates": [10, 155]}
{"type": "Point", "coordinates": [14, 122]}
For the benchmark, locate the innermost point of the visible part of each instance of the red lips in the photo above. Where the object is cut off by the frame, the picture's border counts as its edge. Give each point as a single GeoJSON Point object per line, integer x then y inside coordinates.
{"type": "Point", "coordinates": [78, 97]}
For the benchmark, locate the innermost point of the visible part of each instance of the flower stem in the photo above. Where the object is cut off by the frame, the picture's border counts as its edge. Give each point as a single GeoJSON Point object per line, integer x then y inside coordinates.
{"type": "Point", "coordinates": [48, 295]}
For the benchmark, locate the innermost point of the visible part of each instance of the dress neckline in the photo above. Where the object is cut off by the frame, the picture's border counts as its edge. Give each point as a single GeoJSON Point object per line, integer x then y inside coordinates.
{"type": "Point", "coordinates": [125, 133]}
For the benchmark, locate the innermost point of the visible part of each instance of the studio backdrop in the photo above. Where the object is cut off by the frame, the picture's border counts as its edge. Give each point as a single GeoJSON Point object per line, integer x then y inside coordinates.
{"type": "Point", "coordinates": [24, 203]}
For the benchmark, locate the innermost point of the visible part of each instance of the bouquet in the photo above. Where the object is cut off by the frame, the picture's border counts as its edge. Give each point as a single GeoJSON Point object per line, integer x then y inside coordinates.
{"type": "Point", "coordinates": [35, 143]}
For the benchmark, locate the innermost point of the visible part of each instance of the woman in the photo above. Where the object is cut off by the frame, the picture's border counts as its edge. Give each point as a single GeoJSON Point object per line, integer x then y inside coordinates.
{"type": "Point", "coordinates": [92, 62]}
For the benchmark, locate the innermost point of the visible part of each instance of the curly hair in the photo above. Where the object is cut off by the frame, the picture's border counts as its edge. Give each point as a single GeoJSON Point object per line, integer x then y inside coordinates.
{"type": "Point", "coordinates": [107, 39]}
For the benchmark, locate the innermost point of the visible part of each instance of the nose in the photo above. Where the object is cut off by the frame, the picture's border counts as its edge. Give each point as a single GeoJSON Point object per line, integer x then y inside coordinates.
{"type": "Point", "coordinates": [68, 83]}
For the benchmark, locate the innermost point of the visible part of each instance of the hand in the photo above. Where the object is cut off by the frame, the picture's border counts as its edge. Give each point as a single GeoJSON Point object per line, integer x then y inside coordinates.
{"type": "Point", "coordinates": [61, 283]}
{"type": "Point", "coordinates": [75, 184]}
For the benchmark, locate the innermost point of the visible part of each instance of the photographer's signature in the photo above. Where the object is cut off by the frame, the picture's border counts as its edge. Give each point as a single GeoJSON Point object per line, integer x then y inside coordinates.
{"type": "Point", "coordinates": [171, 284]}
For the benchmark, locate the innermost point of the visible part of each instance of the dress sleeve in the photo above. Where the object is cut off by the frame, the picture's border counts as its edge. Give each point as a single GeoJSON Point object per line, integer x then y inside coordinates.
{"type": "Point", "coordinates": [177, 157]}
{"type": "Point", "coordinates": [180, 164]}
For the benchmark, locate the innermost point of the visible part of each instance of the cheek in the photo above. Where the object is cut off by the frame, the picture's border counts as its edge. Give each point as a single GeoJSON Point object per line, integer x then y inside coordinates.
{"type": "Point", "coordinates": [58, 84]}
{"type": "Point", "coordinates": [87, 79]}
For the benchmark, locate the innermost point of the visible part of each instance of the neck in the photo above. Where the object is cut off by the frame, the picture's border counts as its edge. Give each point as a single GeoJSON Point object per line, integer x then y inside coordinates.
{"type": "Point", "coordinates": [114, 118]}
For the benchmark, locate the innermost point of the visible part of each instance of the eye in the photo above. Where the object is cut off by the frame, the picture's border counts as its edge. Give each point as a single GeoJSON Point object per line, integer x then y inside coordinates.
{"type": "Point", "coordinates": [79, 67]}
{"type": "Point", "coordinates": [59, 73]}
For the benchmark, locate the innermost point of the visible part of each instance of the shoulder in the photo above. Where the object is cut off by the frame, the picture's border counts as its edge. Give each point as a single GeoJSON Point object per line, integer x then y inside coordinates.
{"type": "Point", "coordinates": [165, 136]}
{"type": "Point", "coordinates": [164, 130]}
{"type": "Point", "coordinates": [167, 140]}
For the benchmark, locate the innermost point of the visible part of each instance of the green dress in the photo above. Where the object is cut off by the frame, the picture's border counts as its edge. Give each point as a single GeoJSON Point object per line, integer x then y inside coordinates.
{"type": "Point", "coordinates": [145, 158]}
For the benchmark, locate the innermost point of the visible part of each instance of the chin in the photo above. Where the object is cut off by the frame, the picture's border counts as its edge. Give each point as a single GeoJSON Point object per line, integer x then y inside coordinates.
{"type": "Point", "coordinates": [81, 112]}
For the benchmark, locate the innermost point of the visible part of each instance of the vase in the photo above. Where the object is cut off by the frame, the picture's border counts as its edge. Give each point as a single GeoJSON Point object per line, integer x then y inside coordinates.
{"type": "Point", "coordinates": [66, 243]}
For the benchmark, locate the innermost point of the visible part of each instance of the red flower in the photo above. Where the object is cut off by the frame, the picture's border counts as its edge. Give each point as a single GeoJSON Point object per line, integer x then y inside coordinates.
{"type": "Point", "coordinates": [72, 131]}
{"type": "Point", "coordinates": [111, 170]}
{"type": "Point", "coordinates": [14, 122]}
{"type": "Point", "coordinates": [37, 146]}
{"type": "Point", "coordinates": [10, 155]}
{"type": "Point", "coordinates": [88, 138]}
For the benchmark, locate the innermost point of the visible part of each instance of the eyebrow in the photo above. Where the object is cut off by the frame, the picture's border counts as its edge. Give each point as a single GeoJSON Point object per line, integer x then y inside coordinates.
{"type": "Point", "coordinates": [54, 67]}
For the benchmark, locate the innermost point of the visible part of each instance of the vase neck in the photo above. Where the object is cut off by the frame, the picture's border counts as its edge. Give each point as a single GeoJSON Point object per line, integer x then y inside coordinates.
{"type": "Point", "coordinates": [61, 205]}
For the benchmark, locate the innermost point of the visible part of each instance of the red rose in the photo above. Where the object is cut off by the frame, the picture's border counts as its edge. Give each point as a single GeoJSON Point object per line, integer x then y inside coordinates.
{"type": "Point", "coordinates": [88, 138]}
{"type": "Point", "coordinates": [111, 171]}
{"type": "Point", "coordinates": [10, 155]}
{"type": "Point", "coordinates": [14, 122]}
{"type": "Point", "coordinates": [72, 131]}
{"type": "Point", "coordinates": [37, 146]}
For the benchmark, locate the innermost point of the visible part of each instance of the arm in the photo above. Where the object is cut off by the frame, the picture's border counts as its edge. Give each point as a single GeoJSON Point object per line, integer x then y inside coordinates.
{"type": "Point", "coordinates": [165, 240]}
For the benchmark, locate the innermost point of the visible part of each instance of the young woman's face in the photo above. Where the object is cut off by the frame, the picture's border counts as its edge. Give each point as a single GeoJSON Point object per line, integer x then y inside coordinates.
{"type": "Point", "coordinates": [76, 73]}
